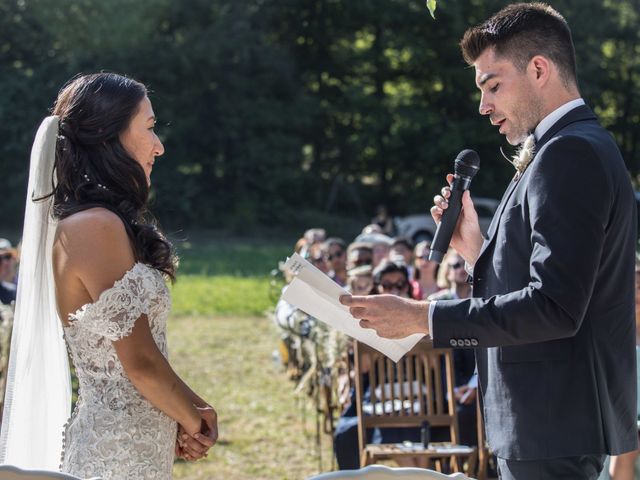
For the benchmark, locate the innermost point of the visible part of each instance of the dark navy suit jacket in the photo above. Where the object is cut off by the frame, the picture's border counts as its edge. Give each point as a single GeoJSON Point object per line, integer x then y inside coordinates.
{"type": "Point", "coordinates": [553, 312]}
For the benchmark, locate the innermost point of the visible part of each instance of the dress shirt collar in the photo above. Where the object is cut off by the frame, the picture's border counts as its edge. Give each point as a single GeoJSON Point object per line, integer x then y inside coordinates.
{"type": "Point", "coordinates": [556, 115]}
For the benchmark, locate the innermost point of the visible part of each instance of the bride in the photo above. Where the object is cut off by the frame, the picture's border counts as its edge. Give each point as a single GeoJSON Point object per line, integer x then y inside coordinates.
{"type": "Point", "coordinates": [95, 261]}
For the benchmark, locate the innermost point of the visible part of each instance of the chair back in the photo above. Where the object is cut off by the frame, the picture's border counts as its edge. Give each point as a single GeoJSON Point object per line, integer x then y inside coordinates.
{"type": "Point", "coordinates": [408, 393]}
{"type": "Point", "coordinates": [9, 472]}
{"type": "Point", "coordinates": [382, 472]}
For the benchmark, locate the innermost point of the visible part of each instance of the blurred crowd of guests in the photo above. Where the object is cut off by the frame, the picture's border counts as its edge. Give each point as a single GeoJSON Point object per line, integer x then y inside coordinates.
{"type": "Point", "coordinates": [378, 263]}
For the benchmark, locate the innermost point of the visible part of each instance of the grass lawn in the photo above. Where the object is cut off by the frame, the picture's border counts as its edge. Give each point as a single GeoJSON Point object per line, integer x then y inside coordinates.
{"type": "Point", "coordinates": [265, 431]}
{"type": "Point", "coordinates": [221, 344]}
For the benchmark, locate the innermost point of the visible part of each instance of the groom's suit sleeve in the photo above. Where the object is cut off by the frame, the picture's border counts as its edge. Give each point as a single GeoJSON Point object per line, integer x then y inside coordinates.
{"type": "Point", "coordinates": [561, 223]}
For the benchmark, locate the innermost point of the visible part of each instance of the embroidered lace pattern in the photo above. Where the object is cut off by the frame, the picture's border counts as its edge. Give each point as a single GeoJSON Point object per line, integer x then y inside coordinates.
{"type": "Point", "coordinates": [115, 433]}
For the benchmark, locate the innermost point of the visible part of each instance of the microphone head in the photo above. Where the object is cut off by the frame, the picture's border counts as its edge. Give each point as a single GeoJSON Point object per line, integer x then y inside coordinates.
{"type": "Point", "coordinates": [467, 163]}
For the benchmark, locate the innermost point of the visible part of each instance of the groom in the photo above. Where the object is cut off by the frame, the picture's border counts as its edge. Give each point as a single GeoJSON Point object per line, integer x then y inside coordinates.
{"type": "Point", "coordinates": [552, 318]}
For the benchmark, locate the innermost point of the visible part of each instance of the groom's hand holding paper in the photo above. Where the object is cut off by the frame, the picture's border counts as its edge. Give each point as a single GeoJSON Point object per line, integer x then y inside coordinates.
{"type": "Point", "coordinates": [389, 315]}
{"type": "Point", "coordinates": [316, 294]}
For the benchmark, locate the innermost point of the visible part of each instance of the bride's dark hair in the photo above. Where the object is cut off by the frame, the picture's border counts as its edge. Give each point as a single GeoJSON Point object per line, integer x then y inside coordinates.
{"type": "Point", "coordinates": [93, 169]}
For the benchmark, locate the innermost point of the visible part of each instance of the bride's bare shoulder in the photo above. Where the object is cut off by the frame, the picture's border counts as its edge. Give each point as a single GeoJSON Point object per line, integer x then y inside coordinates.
{"type": "Point", "coordinates": [93, 222]}
{"type": "Point", "coordinates": [93, 231]}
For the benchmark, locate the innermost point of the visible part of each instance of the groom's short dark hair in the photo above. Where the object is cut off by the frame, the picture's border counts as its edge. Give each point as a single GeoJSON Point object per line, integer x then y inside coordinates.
{"type": "Point", "coordinates": [521, 31]}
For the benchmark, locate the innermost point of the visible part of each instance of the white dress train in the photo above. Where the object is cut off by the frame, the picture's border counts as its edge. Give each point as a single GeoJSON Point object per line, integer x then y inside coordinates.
{"type": "Point", "coordinates": [114, 432]}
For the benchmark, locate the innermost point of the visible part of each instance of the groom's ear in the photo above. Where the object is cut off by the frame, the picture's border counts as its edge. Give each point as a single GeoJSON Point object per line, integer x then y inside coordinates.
{"type": "Point", "coordinates": [540, 69]}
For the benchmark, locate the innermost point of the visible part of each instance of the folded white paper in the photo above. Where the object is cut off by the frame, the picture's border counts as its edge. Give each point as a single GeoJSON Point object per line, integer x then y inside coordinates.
{"type": "Point", "coordinates": [316, 294]}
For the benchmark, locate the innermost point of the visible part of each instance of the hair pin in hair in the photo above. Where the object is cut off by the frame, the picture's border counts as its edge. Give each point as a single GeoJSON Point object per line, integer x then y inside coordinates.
{"type": "Point", "coordinates": [86, 177]}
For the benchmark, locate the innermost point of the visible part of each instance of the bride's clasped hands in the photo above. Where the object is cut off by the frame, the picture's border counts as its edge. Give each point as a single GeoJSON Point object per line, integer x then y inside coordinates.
{"type": "Point", "coordinates": [197, 446]}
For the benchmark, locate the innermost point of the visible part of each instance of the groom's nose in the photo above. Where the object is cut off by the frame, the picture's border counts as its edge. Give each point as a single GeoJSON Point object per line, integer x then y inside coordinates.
{"type": "Point", "coordinates": [485, 108]}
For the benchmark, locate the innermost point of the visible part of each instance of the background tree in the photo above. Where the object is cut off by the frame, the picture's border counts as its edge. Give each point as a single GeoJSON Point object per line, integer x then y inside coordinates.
{"type": "Point", "coordinates": [283, 112]}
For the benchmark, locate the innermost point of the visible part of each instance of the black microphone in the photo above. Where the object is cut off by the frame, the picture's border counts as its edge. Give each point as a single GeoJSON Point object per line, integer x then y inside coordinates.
{"type": "Point", "coordinates": [466, 166]}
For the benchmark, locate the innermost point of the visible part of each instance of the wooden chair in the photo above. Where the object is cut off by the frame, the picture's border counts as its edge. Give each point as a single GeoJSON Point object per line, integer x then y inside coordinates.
{"type": "Point", "coordinates": [405, 395]}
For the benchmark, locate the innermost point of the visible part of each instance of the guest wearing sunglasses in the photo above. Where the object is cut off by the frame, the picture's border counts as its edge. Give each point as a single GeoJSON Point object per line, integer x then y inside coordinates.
{"type": "Point", "coordinates": [453, 277]}
{"type": "Point", "coordinates": [425, 272]}
{"type": "Point", "coordinates": [392, 277]}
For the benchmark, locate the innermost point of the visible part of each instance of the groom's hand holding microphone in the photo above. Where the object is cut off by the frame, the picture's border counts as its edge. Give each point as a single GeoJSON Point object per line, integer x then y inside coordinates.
{"type": "Point", "coordinates": [394, 317]}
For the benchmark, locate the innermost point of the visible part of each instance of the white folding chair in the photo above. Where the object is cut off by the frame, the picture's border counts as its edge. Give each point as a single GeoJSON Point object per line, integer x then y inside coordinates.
{"type": "Point", "coordinates": [9, 472]}
{"type": "Point", "coordinates": [382, 472]}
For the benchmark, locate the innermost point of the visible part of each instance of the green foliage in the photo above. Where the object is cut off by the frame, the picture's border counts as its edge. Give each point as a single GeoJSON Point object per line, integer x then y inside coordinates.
{"type": "Point", "coordinates": [269, 109]}
{"type": "Point", "coordinates": [431, 5]}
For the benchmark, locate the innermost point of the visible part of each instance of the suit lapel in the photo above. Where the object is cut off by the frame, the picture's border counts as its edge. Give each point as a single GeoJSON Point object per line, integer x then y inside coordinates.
{"type": "Point", "coordinates": [493, 227]}
{"type": "Point", "coordinates": [578, 114]}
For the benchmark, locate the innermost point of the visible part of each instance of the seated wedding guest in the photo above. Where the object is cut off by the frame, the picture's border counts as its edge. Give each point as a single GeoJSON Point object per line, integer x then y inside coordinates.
{"type": "Point", "coordinates": [383, 220]}
{"type": "Point", "coordinates": [623, 467]}
{"type": "Point", "coordinates": [453, 273]}
{"type": "Point", "coordinates": [335, 255]}
{"type": "Point", "coordinates": [360, 280]}
{"type": "Point", "coordinates": [358, 254]}
{"type": "Point", "coordinates": [393, 278]}
{"type": "Point", "coordinates": [425, 273]}
{"type": "Point", "coordinates": [380, 243]}
{"type": "Point", "coordinates": [314, 235]}
{"type": "Point", "coordinates": [315, 254]}
{"type": "Point", "coordinates": [310, 237]}
{"type": "Point", "coordinates": [8, 267]}
{"type": "Point", "coordinates": [7, 293]}
{"type": "Point", "coordinates": [402, 248]}
{"type": "Point", "coordinates": [300, 246]}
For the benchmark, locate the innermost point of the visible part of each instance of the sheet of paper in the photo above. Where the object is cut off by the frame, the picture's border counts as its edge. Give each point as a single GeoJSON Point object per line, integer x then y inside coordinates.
{"type": "Point", "coordinates": [316, 294]}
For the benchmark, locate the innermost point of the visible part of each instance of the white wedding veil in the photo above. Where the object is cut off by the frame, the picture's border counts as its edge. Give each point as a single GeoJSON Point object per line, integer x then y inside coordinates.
{"type": "Point", "coordinates": [38, 394]}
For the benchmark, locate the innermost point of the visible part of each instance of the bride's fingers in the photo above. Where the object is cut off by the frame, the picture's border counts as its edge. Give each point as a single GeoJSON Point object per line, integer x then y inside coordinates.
{"type": "Point", "coordinates": [193, 447]}
{"type": "Point", "coordinates": [205, 440]}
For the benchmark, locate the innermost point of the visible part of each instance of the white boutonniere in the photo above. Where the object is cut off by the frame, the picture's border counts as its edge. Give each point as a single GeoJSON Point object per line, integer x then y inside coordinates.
{"type": "Point", "coordinates": [523, 156]}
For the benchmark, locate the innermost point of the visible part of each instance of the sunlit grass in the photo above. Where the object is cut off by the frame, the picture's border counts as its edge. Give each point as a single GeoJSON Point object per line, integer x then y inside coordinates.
{"type": "Point", "coordinates": [221, 295]}
{"type": "Point", "coordinates": [221, 343]}
{"type": "Point", "coordinates": [265, 431]}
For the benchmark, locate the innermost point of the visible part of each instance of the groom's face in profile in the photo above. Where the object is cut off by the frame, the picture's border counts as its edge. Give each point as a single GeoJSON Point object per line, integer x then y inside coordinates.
{"type": "Point", "coordinates": [508, 96]}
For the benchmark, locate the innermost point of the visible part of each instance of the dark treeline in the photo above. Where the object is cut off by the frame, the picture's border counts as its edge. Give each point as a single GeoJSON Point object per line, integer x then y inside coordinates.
{"type": "Point", "coordinates": [273, 111]}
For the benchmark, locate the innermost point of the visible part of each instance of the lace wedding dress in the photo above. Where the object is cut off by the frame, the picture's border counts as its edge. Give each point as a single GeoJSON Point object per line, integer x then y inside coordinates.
{"type": "Point", "coordinates": [114, 432]}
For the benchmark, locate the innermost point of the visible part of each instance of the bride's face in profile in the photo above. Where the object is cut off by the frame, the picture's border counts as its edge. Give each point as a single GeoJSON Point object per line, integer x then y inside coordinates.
{"type": "Point", "coordinates": [139, 139]}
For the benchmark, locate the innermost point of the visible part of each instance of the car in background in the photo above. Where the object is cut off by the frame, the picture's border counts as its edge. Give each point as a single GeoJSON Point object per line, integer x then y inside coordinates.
{"type": "Point", "coordinates": [422, 227]}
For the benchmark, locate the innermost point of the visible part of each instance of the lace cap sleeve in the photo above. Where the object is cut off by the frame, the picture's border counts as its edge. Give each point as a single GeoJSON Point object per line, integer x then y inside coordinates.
{"type": "Point", "coordinates": [115, 312]}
